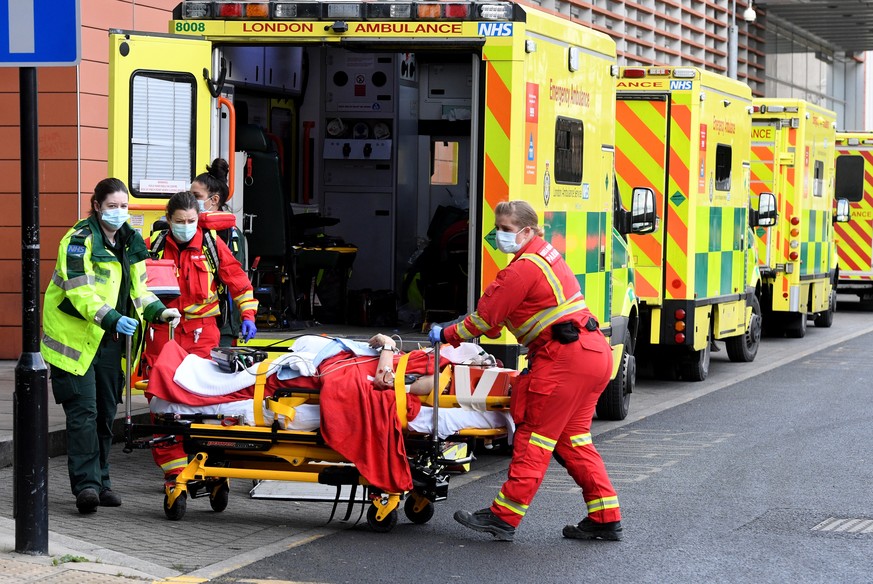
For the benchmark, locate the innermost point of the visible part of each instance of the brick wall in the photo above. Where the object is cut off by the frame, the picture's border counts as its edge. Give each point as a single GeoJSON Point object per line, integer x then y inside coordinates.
{"type": "Point", "coordinates": [73, 139]}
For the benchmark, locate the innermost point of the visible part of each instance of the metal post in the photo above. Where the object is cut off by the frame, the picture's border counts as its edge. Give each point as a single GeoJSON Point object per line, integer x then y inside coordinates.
{"type": "Point", "coordinates": [733, 42]}
{"type": "Point", "coordinates": [30, 402]}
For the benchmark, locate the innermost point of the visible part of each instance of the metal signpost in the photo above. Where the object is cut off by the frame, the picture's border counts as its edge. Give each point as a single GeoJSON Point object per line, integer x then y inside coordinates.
{"type": "Point", "coordinates": [33, 33]}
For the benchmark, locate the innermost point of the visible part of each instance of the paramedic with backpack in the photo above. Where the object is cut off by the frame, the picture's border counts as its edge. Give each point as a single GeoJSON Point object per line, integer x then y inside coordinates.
{"type": "Point", "coordinates": [210, 189]}
{"type": "Point", "coordinates": [537, 297]}
{"type": "Point", "coordinates": [193, 249]}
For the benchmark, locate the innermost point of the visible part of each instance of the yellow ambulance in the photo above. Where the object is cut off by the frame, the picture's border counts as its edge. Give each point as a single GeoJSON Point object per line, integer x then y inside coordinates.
{"type": "Point", "coordinates": [364, 135]}
{"type": "Point", "coordinates": [854, 183]}
{"type": "Point", "coordinates": [793, 146]}
{"type": "Point", "coordinates": [684, 133]}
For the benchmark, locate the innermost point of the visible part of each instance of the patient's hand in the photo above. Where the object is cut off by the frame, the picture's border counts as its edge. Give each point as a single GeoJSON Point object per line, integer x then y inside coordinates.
{"type": "Point", "coordinates": [381, 340]}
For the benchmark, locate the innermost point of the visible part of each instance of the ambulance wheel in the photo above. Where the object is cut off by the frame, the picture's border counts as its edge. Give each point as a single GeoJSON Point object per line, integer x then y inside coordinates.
{"type": "Point", "coordinates": [614, 402]}
{"type": "Point", "coordinates": [694, 365]}
{"type": "Point", "coordinates": [177, 510]}
{"type": "Point", "coordinates": [743, 349]}
{"type": "Point", "coordinates": [419, 517]}
{"type": "Point", "coordinates": [383, 526]}
{"type": "Point", "coordinates": [826, 318]}
{"type": "Point", "coordinates": [795, 325]}
{"type": "Point", "coordinates": [219, 495]}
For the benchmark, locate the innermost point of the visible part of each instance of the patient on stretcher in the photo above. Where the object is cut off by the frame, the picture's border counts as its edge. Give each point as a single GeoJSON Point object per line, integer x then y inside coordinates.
{"type": "Point", "coordinates": [188, 384]}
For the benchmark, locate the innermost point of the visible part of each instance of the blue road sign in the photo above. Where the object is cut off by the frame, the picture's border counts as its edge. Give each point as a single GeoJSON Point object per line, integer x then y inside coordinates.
{"type": "Point", "coordinates": [40, 33]}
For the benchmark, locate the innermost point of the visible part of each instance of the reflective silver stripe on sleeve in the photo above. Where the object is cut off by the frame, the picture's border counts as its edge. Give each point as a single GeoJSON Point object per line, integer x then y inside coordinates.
{"type": "Point", "coordinates": [144, 300]}
{"type": "Point", "coordinates": [86, 280]}
{"type": "Point", "coordinates": [61, 348]}
{"type": "Point", "coordinates": [143, 277]}
{"type": "Point", "coordinates": [104, 310]}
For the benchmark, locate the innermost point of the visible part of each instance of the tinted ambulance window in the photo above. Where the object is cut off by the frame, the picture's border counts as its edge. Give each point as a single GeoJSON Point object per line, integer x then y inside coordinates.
{"type": "Point", "coordinates": [568, 151]}
{"type": "Point", "coordinates": [722, 167]}
{"type": "Point", "coordinates": [161, 129]}
{"type": "Point", "coordinates": [817, 178]}
{"type": "Point", "coordinates": [850, 178]}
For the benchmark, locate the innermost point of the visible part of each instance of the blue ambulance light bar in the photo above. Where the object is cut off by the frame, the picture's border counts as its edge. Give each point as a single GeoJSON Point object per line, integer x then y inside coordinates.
{"type": "Point", "coordinates": [344, 10]}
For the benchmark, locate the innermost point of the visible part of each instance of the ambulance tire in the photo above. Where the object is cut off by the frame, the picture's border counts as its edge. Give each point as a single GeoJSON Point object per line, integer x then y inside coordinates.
{"type": "Point", "coordinates": [743, 349]}
{"type": "Point", "coordinates": [694, 365]}
{"type": "Point", "coordinates": [177, 510]}
{"type": "Point", "coordinates": [418, 517]}
{"type": "Point", "coordinates": [383, 526]}
{"type": "Point", "coordinates": [795, 325]}
{"type": "Point", "coordinates": [825, 319]}
{"type": "Point", "coordinates": [614, 402]}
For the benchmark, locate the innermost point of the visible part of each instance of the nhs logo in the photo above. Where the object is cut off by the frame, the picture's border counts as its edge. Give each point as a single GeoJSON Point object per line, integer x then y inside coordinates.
{"type": "Point", "coordinates": [679, 85]}
{"type": "Point", "coordinates": [495, 29]}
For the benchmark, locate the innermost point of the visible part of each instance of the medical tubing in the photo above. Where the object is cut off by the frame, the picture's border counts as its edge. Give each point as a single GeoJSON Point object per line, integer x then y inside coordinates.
{"type": "Point", "coordinates": [436, 394]}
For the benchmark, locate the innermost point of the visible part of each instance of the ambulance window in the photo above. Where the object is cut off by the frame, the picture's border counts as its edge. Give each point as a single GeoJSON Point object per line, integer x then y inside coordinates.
{"type": "Point", "coordinates": [445, 163]}
{"type": "Point", "coordinates": [722, 167]}
{"type": "Point", "coordinates": [162, 129]}
{"type": "Point", "coordinates": [850, 178]}
{"type": "Point", "coordinates": [817, 178]}
{"type": "Point", "coordinates": [568, 151]}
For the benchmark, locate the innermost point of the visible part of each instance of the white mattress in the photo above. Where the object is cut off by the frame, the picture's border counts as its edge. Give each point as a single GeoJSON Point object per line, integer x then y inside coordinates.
{"type": "Point", "coordinates": [308, 416]}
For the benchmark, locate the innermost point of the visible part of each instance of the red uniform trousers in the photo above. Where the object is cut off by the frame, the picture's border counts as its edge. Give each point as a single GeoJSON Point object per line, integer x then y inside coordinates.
{"type": "Point", "coordinates": [197, 337]}
{"type": "Point", "coordinates": [553, 407]}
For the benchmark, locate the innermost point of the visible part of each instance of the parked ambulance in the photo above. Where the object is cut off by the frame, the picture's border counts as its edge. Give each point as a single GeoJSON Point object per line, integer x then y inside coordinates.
{"type": "Point", "coordinates": [854, 183]}
{"type": "Point", "coordinates": [793, 145]}
{"type": "Point", "coordinates": [684, 133]}
{"type": "Point", "coordinates": [363, 135]}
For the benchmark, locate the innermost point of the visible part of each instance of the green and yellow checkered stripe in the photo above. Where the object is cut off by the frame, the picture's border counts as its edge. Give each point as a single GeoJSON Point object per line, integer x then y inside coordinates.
{"type": "Point", "coordinates": [815, 249]}
{"type": "Point", "coordinates": [721, 269]}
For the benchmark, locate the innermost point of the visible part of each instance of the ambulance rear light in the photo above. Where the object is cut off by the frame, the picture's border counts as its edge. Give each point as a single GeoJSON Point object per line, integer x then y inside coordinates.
{"type": "Point", "coordinates": [299, 10]}
{"type": "Point", "coordinates": [793, 256]}
{"type": "Point", "coordinates": [495, 11]}
{"type": "Point", "coordinates": [344, 10]}
{"type": "Point", "coordinates": [795, 232]}
{"type": "Point", "coordinates": [679, 326]}
{"type": "Point", "coordinates": [679, 338]}
{"type": "Point", "coordinates": [388, 11]}
{"type": "Point", "coordinates": [260, 10]}
{"type": "Point", "coordinates": [795, 220]}
{"type": "Point", "coordinates": [658, 71]}
{"type": "Point", "coordinates": [679, 314]}
{"type": "Point", "coordinates": [794, 244]}
{"type": "Point", "coordinates": [683, 73]}
{"type": "Point", "coordinates": [196, 10]}
{"type": "Point", "coordinates": [633, 73]}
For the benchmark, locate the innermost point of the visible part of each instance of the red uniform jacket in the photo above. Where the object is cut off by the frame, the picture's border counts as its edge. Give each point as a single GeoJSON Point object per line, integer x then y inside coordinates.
{"type": "Point", "coordinates": [537, 289]}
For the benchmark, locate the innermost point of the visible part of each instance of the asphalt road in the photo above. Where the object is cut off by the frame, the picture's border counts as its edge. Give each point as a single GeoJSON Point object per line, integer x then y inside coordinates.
{"type": "Point", "coordinates": [762, 473]}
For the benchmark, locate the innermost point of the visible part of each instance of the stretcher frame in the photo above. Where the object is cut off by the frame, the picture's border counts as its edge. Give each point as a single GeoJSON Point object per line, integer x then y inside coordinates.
{"type": "Point", "coordinates": [219, 453]}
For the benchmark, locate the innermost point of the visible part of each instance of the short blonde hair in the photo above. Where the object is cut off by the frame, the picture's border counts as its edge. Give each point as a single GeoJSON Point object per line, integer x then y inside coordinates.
{"type": "Point", "coordinates": [521, 213]}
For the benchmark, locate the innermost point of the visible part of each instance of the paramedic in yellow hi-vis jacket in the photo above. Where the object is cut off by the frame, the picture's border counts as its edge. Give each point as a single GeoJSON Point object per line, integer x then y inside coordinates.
{"type": "Point", "coordinates": [97, 294]}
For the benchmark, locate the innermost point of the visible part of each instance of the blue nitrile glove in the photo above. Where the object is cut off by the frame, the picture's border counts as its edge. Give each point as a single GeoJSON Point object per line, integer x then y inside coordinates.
{"type": "Point", "coordinates": [126, 325]}
{"type": "Point", "coordinates": [436, 334]}
{"type": "Point", "coordinates": [249, 330]}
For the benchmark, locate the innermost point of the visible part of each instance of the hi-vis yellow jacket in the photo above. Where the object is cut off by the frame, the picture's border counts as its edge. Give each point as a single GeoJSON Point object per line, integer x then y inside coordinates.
{"type": "Point", "coordinates": [80, 299]}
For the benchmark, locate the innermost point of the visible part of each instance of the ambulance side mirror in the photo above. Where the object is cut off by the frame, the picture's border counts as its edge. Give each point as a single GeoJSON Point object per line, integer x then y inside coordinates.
{"type": "Point", "coordinates": [842, 214]}
{"type": "Point", "coordinates": [766, 215]}
{"type": "Point", "coordinates": [643, 218]}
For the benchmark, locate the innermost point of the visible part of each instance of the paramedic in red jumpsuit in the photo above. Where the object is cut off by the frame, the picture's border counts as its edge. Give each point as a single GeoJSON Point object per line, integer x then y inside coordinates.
{"type": "Point", "coordinates": [198, 332]}
{"type": "Point", "coordinates": [537, 297]}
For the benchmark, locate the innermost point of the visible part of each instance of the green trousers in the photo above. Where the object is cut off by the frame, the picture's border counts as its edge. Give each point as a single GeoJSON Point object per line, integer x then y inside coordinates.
{"type": "Point", "coordinates": [90, 403]}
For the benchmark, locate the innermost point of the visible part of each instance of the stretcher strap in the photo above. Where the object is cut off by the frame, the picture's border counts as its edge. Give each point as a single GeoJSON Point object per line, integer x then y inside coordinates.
{"type": "Point", "coordinates": [260, 383]}
{"type": "Point", "coordinates": [445, 380]}
{"type": "Point", "coordinates": [285, 408]}
{"type": "Point", "coordinates": [400, 390]}
{"type": "Point", "coordinates": [470, 397]}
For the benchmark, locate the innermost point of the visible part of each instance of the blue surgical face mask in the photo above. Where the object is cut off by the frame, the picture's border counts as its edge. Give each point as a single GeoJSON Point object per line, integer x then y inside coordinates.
{"type": "Point", "coordinates": [201, 204]}
{"type": "Point", "coordinates": [506, 241]}
{"type": "Point", "coordinates": [114, 218]}
{"type": "Point", "coordinates": [183, 232]}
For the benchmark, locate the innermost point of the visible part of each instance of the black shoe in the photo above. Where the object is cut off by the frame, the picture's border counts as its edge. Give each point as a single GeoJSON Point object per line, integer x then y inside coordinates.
{"type": "Point", "coordinates": [87, 501]}
{"type": "Point", "coordinates": [486, 521]}
{"type": "Point", "coordinates": [109, 499]}
{"type": "Point", "coordinates": [587, 529]}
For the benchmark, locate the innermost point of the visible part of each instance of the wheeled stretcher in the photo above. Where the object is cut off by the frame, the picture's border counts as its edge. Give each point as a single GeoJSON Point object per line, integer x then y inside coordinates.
{"type": "Point", "coordinates": [276, 434]}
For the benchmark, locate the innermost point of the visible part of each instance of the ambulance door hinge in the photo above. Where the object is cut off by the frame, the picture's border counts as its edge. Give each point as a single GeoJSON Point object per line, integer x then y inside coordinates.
{"type": "Point", "coordinates": [215, 87]}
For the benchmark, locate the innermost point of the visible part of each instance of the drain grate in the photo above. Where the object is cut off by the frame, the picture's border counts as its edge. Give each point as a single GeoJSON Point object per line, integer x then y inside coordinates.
{"type": "Point", "coordinates": [837, 525]}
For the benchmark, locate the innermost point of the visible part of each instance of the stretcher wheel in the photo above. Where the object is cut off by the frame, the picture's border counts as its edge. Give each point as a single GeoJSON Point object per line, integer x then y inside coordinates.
{"type": "Point", "coordinates": [419, 517]}
{"type": "Point", "coordinates": [218, 496]}
{"type": "Point", "coordinates": [177, 510]}
{"type": "Point", "coordinates": [383, 526]}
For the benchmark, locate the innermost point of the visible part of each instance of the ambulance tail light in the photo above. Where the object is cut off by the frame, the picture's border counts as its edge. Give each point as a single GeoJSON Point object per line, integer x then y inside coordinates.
{"type": "Point", "coordinates": [633, 73]}
{"type": "Point", "coordinates": [793, 256]}
{"type": "Point", "coordinates": [428, 10]}
{"type": "Point", "coordinates": [344, 10]}
{"type": "Point", "coordinates": [795, 220]}
{"type": "Point", "coordinates": [298, 10]}
{"type": "Point", "coordinates": [679, 338]}
{"type": "Point", "coordinates": [495, 11]}
{"type": "Point", "coordinates": [679, 326]}
{"type": "Point", "coordinates": [456, 10]}
{"type": "Point", "coordinates": [679, 314]}
{"type": "Point", "coordinates": [795, 232]}
{"type": "Point", "coordinates": [229, 10]}
{"type": "Point", "coordinates": [388, 11]}
{"type": "Point", "coordinates": [196, 10]}
{"type": "Point", "coordinates": [659, 71]}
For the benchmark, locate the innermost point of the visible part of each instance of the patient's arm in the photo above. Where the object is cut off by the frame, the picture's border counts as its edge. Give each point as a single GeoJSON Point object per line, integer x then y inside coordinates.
{"type": "Point", "coordinates": [384, 378]}
{"type": "Point", "coordinates": [422, 386]}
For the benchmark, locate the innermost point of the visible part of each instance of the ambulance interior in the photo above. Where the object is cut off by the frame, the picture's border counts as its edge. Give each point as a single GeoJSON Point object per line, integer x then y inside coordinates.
{"type": "Point", "coordinates": [353, 175]}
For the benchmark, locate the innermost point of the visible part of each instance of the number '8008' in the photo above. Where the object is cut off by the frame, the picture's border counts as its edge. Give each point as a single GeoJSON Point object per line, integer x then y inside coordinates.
{"type": "Point", "coordinates": [190, 27]}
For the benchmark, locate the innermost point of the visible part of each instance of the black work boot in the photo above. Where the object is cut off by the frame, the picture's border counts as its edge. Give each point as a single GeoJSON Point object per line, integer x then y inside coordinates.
{"type": "Point", "coordinates": [486, 521]}
{"type": "Point", "coordinates": [87, 501]}
{"type": "Point", "coordinates": [587, 529]}
{"type": "Point", "coordinates": [108, 498]}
